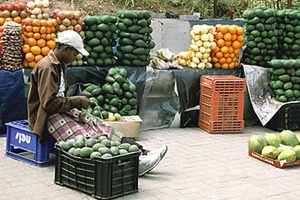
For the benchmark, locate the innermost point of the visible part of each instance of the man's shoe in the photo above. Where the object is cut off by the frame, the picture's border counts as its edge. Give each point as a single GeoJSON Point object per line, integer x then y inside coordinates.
{"type": "Point", "coordinates": [151, 160]}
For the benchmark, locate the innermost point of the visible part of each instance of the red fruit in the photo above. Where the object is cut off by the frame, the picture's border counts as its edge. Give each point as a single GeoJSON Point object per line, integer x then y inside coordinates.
{"type": "Point", "coordinates": [61, 15]}
{"type": "Point", "coordinates": [16, 6]}
{"type": "Point", "coordinates": [9, 7]}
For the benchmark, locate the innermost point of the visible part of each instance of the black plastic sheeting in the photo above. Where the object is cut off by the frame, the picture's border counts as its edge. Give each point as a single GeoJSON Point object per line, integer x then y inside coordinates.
{"type": "Point", "coordinates": [12, 100]}
{"type": "Point", "coordinates": [188, 84]}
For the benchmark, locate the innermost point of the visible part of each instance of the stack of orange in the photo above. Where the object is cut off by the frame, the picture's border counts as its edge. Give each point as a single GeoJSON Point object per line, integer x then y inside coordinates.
{"type": "Point", "coordinates": [38, 37]}
{"type": "Point", "coordinates": [229, 40]}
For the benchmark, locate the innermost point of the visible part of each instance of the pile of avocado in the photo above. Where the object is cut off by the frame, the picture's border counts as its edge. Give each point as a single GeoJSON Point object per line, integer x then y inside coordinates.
{"type": "Point", "coordinates": [289, 33]}
{"type": "Point", "coordinates": [285, 79]}
{"type": "Point", "coordinates": [135, 41]}
{"type": "Point", "coordinates": [100, 37]}
{"type": "Point", "coordinates": [118, 95]}
{"type": "Point", "coordinates": [261, 32]}
{"type": "Point", "coordinates": [98, 146]}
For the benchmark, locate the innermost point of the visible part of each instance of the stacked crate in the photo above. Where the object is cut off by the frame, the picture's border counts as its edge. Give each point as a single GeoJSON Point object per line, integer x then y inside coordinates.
{"type": "Point", "coordinates": [221, 104]}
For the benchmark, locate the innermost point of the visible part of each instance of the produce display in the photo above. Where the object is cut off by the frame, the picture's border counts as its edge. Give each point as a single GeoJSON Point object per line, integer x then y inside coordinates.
{"type": "Point", "coordinates": [70, 20]}
{"type": "Point", "coordinates": [96, 147]}
{"type": "Point", "coordinates": [229, 40]}
{"type": "Point", "coordinates": [100, 38]}
{"type": "Point", "coordinates": [12, 46]}
{"type": "Point", "coordinates": [261, 32]}
{"type": "Point", "coordinates": [135, 41]}
{"type": "Point", "coordinates": [39, 35]}
{"type": "Point", "coordinates": [289, 33]}
{"type": "Point", "coordinates": [285, 79]}
{"type": "Point", "coordinates": [116, 98]}
{"type": "Point", "coordinates": [39, 9]}
{"type": "Point", "coordinates": [286, 146]}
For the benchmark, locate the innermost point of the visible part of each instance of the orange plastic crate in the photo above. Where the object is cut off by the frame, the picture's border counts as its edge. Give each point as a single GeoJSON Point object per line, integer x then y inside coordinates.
{"type": "Point", "coordinates": [222, 104]}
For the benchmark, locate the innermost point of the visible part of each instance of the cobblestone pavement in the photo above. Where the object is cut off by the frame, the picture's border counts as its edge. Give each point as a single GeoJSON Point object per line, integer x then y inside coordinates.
{"type": "Point", "coordinates": [198, 165]}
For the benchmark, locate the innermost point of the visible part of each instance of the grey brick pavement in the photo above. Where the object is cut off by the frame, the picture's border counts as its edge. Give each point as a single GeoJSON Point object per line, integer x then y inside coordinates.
{"type": "Point", "coordinates": [198, 165]}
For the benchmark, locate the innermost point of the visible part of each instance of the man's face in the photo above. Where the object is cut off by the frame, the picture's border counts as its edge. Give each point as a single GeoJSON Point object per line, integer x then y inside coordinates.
{"type": "Point", "coordinates": [69, 54]}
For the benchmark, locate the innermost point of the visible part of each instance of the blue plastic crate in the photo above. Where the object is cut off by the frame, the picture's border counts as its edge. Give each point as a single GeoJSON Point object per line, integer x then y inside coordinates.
{"type": "Point", "coordinates": [23, 145]}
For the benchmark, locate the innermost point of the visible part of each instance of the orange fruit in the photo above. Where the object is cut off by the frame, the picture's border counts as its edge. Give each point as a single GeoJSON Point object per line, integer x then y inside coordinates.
{"type": "Point", "coordinates": [240, 38]}
{"type": "Point", "coordinates": [28, 28]}
{"type": "Point", "coordinates": [41, 43]}
{"type": "Point", "coordinates": [8, 19]}
{"type": "Point", "coordinates": [224, 66]}
{"type": "Point", "coordinates": [229, 60]}
{"type": "Point", "coordinates": [231, 65]}
{"type": "Point", "coordinates": [239, 30]}
{"type": "Point", "coordinates": [32, 64]}
{"type": "Point", "coordinates": [26, 48]}
{"type": "Point", "coordinates": [224, 49]}
{"type": "Point", "coordinates": [37, 58]}
{"type": "Point", "coordinates": [221, 43]}
{"type": "Point", "coordinates": [232, 29]}
{"type": "Point", "coordinates": [51, 44]}
{"type": "Point", "coordinates": [43, 35]}
{"type": "Point", "coordinates": [29, 57]}
{"type": "Point", "coordinates": [227, 37]}
{"type": "Point", "coordinates": [31, 42]}
{"type": "Point", "coordinates": [36, 50]}
{"type": "Point", "coordinates": [48, 30]}
{"type": "Point", "coordinates": [219, 55]}
{"type": "Point", "coordinates": [27, 21]}
{"type": "Point", "coordinates": [224, 29]}
{"type": "Point", "coordinates": [43, 29]}
{"type": "Point", "coordinates": [217, 65]}
{"type": "Point", "coordinates": [236, 44]}
{"type": "Point", "coordinates": [49, 23]}
{"type": "Point", "coordinates": [47, 37]}
{"type": "Point", "coordinates": [233, 37]}
{"type": "Point", "coordinates": [53, 36]}
{"type": "Point", "coordinates": [228, 43]}
{"type": "Point", "coordinates": [53, 29]}
{"type": "Point", "coordinates": [216, 49]}
{"type": "Point", "coordinates": [36, 29]}
{"type": "Point", "coordinates": [230, 49]}
{"type": "Point", "coordinates": [44, 22]}
{"type": "Point", "coordinates": [36, 36]}
{"type": "Point", "coordinates": [214, 59]}
{"type": "Point", "coordinates": [236, 51]}
{"type": "Point", "coordinates": [219, 35]}
{"type": "Point", "coordinates": [30, 34]}
{"type": "Point", "coordinates": [54, 22]}
{"type": "Point", "coordinates": [25, 63]}
{"type": "Point", "coordinates": [226, 55]}
{"type": "Point", "coordinates": [36, 22]}
{"type": "Point", "coordinates": [231, 55]}
{"type": "Point", "coordinates": [17, 19]}
{"type": "Point", "coordinates": [2, 21]}
{"type": "Point", "coordinates": [222, 61]}
{"type": "Point", "coordinates": [45, 50]}
{"type": "Point", "coordinates": [218, 27]}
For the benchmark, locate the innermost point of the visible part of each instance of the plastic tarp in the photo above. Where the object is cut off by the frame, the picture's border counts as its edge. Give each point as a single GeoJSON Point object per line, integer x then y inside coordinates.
{"type": "Point", "coordinates": [12, 101]}
{"type": "Point", "coordinates": [261, 94]}
{"type": "Point", "coordinates": [160, 101]}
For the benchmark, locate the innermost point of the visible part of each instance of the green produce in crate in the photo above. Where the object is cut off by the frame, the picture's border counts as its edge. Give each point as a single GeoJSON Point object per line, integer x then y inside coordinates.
{"type": "Point", "coordinates": [287, 154]}
{"type": "Point", "coordinates": [270, 152]}
{"type": "Point", "coordinates": [296, 149]}
{"type": "Point", "coordinates": [272, 139]}
{"type": "Point", "coordinates": [256, 143]}
{"type": "Point", "coordinates": [288, 137]}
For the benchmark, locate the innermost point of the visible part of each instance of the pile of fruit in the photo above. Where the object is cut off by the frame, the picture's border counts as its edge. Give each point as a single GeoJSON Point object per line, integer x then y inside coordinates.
{"type": "Point", "coordinates": [100, 38]}
{"type": "Point", "coordinates": [116, 97]}
{"type": "Point", "coordinates": [135, 40]}
{"type": "Point", "coordinates": [98, 146]}
{"type": "Point", "coordinates": [286, 146]}
{"type": "Point", "coordinates": [261, 32]}
{"type": "Point", "coordinates": [285, 79]}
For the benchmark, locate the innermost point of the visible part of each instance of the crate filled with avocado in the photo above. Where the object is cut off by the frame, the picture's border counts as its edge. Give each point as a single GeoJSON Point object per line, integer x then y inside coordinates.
{"type": "Point", "coordinates": [116, 100]}
{"type": "Point", "coordinates": [281, 150]}
{"type": "Point", "coordinates": [97, 166]}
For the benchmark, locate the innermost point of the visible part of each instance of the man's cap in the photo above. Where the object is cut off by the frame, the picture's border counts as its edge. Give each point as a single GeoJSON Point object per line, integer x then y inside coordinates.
{"type": "Point", "coordinates": [73, 39]}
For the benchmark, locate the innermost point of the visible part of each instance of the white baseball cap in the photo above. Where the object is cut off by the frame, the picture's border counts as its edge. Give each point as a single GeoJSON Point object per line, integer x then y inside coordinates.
{"type": "Point", "coordinates": [73, 39]}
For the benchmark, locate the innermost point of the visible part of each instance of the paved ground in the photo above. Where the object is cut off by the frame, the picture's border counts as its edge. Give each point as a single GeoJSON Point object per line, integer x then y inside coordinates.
{"type": "Point", "coordinates": [198, 165]}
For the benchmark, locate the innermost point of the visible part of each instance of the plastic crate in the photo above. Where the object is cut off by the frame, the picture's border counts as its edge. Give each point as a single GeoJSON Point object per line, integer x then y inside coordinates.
{"type": "Point", "coordinates": [222, 104]}
{"type": "Point", "coordinates": [23, 145]}
{"type": "Point", "coordinates": [101, 178]}
{"type": "Point", "coordinates": [287, 118]}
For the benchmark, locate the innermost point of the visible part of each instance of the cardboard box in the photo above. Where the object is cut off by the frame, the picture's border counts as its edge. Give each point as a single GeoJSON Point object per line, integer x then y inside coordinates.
{"type": "Point", "coordinates": [128, 125]}
{"type": "Point", "coordinates": [276, 163]}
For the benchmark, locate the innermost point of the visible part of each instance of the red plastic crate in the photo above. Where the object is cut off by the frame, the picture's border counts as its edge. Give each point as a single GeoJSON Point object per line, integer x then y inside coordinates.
{"type": "Point", "coordinates": [222, 104]}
